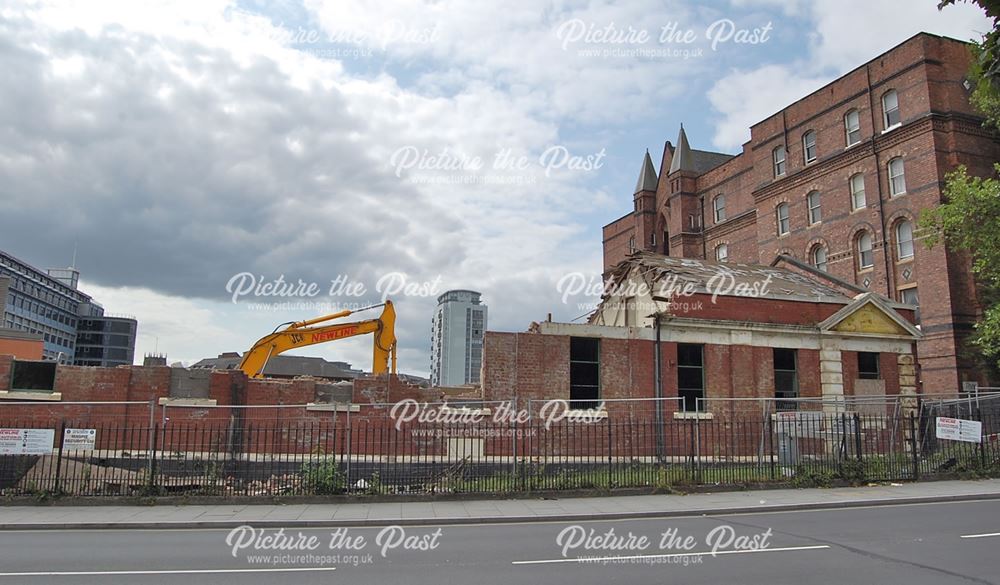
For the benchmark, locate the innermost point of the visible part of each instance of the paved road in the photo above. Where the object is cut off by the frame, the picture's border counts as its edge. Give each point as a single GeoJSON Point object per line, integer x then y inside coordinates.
{"type": "Point", "coordinates": [932, 544]}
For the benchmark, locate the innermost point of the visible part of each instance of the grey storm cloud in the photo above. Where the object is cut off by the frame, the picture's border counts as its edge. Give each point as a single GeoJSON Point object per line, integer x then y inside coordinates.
{"type": "Point", "coordinates": [175, 166]}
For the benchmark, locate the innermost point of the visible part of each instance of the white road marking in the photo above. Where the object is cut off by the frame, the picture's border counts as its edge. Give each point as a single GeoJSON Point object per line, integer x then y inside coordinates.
{"type": "Point", "coordinates": [166, 572]}
{"type": "Point", "coordinates": [980, 535]}
{"type": "Point", "coordinates": [588, 560]}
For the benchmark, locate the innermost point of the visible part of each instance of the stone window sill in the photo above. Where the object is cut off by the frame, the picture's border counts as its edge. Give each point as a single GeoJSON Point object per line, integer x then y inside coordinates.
{"type": "Point", "coordinates": [465, 411]}
{"type": "Point", "coordinates": [323, 407]}
{"type": "Point", "coordinates": [187, 402]}
{"type": "Point", "coordinates": [693, 416]}
{"type": "Point", "coordinates": [30, 395]}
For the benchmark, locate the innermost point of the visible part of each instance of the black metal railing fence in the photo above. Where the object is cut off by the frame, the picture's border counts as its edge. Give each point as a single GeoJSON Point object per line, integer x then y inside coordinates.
{"type": "Point", "coordinates": [368, 452]}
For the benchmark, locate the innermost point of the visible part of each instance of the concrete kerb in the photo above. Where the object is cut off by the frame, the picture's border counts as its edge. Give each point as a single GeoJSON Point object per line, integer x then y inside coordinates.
{"type": "Point", "coordinates": [495, 519]}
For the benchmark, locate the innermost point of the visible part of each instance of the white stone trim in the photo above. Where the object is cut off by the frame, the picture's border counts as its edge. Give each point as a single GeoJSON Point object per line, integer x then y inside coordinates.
{"type": "Point", "coordinates": [827, 366]}
{"type": "Point", "coordinates": [464, 410]}
{"type": "Point", "coordinates": [864, 342]}
{"type": "Point", "coordinates": [697, 415]}
{"type": "Point", "coordinates": [30, 395]}
{"type": "Point", "coordinates": [332, 407]}
{"type": "Point", "coordinates": [718, 332]}
{"type": "Point", "coordinates": [167, 401]}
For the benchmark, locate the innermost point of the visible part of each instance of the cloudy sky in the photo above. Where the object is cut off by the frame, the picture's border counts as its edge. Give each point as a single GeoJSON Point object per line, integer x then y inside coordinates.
{"type": "Point", "coordinates": [190, 151]}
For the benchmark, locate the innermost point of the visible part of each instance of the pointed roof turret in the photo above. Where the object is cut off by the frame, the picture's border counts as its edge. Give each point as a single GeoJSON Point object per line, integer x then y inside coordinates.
{"type": "Point", "coordinates": [647, 176]}
{"type": "Point", "coordinates": [682, 160]}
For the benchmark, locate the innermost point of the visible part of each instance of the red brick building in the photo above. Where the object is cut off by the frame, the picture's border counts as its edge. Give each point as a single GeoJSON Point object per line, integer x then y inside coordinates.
{"type": "Point", "coordinates": [716, 341]}
{"type": "Point", "coordinates": [837, 180]}
{"type": "Point", "coordinates": [21, 344]}
{"type": "Point", "coordinates": [119, 400]}
{"type": "Point", "coordinates": [729, 331]}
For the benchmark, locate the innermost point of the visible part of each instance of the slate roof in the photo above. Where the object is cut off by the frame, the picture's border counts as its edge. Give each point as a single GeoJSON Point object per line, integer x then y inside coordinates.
{"type": "Point", "coordinates": [647, 176]}
{"type": "Point", "coordinates": [660, 271]}
{"type": "Point", "coordinates": [287, 366]}
{"type": "Point", "coordinates": [685, 158]}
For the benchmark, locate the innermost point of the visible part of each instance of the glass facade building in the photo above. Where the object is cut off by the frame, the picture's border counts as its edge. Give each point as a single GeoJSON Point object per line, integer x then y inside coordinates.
{"type": "Point", "coordinates": [457, 338]}
{"type": "Point", "coordinates": [105, 341]}
{"type": "Point", "coordinates": [74, 328]}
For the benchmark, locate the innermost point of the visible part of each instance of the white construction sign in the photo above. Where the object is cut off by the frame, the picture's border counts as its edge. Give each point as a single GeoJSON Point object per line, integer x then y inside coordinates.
{"type": "Point", "coordinates": [79, 439]}
{"type": "Point", "coordinates": [26, 441]}
{"type": "Point", "coordinates": [957, 429]}
{"type": "Point", "coordinates": [799, 423]}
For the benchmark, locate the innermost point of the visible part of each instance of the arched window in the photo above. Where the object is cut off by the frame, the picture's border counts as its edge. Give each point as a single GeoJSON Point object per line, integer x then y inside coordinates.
{"type": "Point", "coordinates": [631, 245]}
{"type": "Point", "coordinates": [852, 127]}
{"type": "Point", "coordinates": [722, 252]}
{"type": "Point", "coordinates": [890, 109]}
{"type": "Point", "coordinates": [904, 239]}
{"type": "Point", "coordinates": [719, 207]}
{"type": "Point", "coordinates": [809, 146]}
{"type": "Point", "coordinates": [778, 157]}
{"type": "Point", "coordinates": [858, 192]}
{"type": "Point", "coordinates": [781, 216]}
{"type": "Point", "coordinates": [866, 257]}
{"type": "Point", "coordinates": [818, 257]}
{"type": "Point", "coordinates": [815, 212]}
{"type": "Point", "coordinates": [897, 177]}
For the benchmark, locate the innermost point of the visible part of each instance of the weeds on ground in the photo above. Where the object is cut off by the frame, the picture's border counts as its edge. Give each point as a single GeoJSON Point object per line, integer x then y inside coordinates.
{"type": "Point", "coordinates": [323, 478]}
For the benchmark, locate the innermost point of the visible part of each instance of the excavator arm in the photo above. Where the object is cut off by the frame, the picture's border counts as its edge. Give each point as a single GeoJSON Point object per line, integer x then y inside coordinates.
{"type": "Point", "coordinates": [311, 332]}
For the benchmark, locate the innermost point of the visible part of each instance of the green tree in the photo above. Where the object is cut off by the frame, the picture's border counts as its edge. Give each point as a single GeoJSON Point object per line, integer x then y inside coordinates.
{"type": "Point", "coordinates": [984, 73]}
{"type": "Point", "coordinates": [986, 88]}
{"type": "Point", "coordinates": [969, 219]}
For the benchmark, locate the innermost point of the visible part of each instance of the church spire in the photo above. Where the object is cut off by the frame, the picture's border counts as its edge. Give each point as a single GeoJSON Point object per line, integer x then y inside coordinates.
{"type": "Point", "coordinates": [682, 159]}
{"type": "Point", "coordinates": [647, 176]}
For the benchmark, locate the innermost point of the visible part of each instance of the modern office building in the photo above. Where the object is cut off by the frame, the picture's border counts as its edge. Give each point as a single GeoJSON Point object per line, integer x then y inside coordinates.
{"type": "Point", "coordinates": [104, 340]}
{"type": "Point", "coordinates": [836, 181]}
{"type": "Point", "coordinates": [457, 338]}
{"type": "Point", "coordinates": [73, 327]}
{"type": "Point", "coordinates": [36, 302]}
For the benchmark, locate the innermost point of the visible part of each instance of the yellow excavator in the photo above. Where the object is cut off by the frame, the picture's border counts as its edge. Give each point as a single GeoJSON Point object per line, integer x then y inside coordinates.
{"type": "Point", "coordinates": [303, 333]}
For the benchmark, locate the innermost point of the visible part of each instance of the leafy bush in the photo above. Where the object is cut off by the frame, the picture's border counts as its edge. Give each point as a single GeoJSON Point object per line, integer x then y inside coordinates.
{"type": "Point", "coordinates": [374, 485]}
{"type": "Point", "coordinates": [811, 477]}
{"type": "Point", "coordinates": [853, 471]}
{"type": "Point", "coordinates": [322, 478]}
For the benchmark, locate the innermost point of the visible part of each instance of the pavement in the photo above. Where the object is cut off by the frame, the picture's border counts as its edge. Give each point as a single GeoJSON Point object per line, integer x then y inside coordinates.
{"type": "Point", "coordinates": [940, 543]}
{"type": "Point", "coordinates": [441, 513]}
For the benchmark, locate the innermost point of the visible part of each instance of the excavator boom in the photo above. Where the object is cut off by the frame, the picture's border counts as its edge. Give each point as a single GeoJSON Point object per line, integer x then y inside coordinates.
{"type": "Point", "coordinates": [310, 332]}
